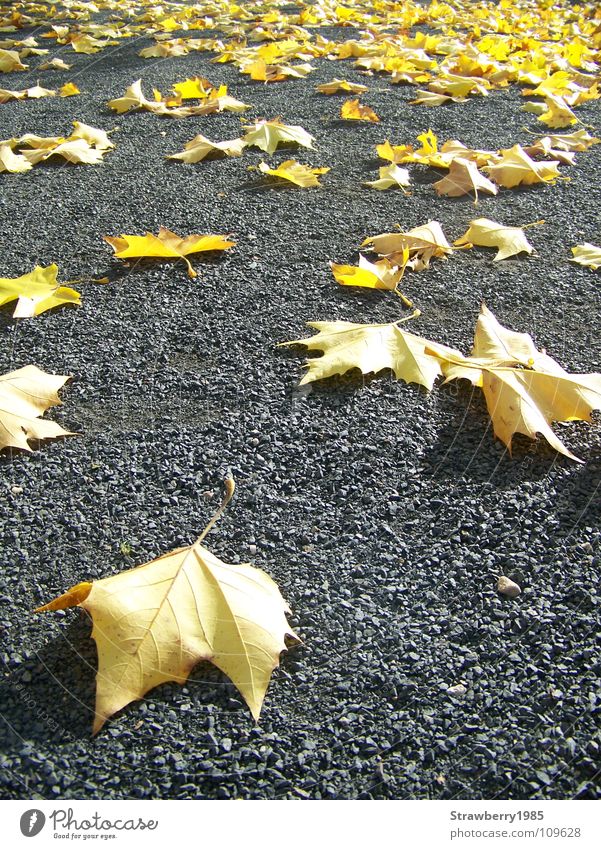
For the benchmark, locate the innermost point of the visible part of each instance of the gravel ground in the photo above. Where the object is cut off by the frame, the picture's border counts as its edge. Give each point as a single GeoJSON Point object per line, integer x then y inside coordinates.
{"type": "Point", "coordinates": [385, 514]}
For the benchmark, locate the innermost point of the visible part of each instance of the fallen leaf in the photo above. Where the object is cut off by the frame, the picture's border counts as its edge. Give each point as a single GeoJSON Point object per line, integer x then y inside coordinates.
{"type": "Point", "coordinates": [25, 395]}
{"type": "Point", "coordinates": [352, 110]}
{"type": "Point", "coordinates": [454, 149]}
{"type": "Point", "coordinates": [528, 400]}
{"type": "Point", "coordinates": [370, 275]}
{"type": "Point", "coordinates": [54, 64]}
{"type": "Point", "coordinates": [588, 255]}
{"type": "Point", "coordinates": [155, 623]}
{"type": "Point", "coordinates": [390, 175]}
{"type": "Point", "coordinates": [266, 72]}
{"type": "Point", "coordinates": [294, 172]}
{"type": "Point", "coordinates": [336, 86]}
{"type": "Point", "coordinates": [76, 151]}
{"type": "Point", "coordinates": [515, 168]}
{"type": "Point", "coordinates": [200, 147]}
{"type": "Point", "coordinates": [554, 112]}
{"type": "Point", "coordinates": [576, 141]}
{"type": "Point", "coordinates": [432, 98]}
{"type": "Point", "coordinates": [371, 348]}
{"type": "Point", "coordinates": [10, 61]}
{"type": "Point", "coordinates": [525, 389]}
{"type": "Point", "coordinates": [193, 88]}
{"type": "Point", "coordinates": [166, 245]}
{"type": "Point", "coordinates": [13, 163]}
{"type": "Point", "coordinates": [458, 85]}
{"type": "Point", "coordinates": [267, 135]}
{"type": "Point", "coordinates": [427, 154]}
{"type": "Point", "coordinates": [464, 179]}
{"type": "Point", "coordinates": [423, 243]}
{"type": "Point", "coordinates": [92, 135]}
{"type": "Point", "coordinates": [85, 145]}
{"type": "Point", "coordinates": [36, 292]}
{"type": "Point", "coordinates": [68, 90]}
{"type": "Point", "coordinates": [486, 233]}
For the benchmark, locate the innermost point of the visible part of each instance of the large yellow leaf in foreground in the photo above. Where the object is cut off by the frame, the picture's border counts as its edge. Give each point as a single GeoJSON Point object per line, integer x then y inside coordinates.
{"type": "Point", "coordinates": [166, 245]}
{"type": "Point", "coordinates": [25, 395]}
{"type": "Point", "coordinates": [154, 623]}
{"type": "Point", "coordinates": [36, 292]}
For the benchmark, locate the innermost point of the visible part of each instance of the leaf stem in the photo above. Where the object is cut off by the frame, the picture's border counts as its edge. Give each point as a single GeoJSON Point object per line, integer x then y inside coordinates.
{"type": "Point", "coordinates": [230, 486]}
{"type": "Point", "coordinates": [414, 314]}
{"type": "Point", "coordinates": [403, 298]}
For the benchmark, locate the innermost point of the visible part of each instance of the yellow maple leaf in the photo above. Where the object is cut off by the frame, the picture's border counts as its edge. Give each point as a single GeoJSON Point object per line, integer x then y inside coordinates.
{"type": "Point", "coordinates": [167, 245]}
{"type": "Point", "coordinates": [423, 243]}
{"type": "Point", "coordinates": [371, 348]}
{"type": "Point", "coordinates": [10, 61]}
{"type": "Point", "coordinates": [68, 90]}
{"type": "Point", "coordinates": [25, 395]}
{"type": "Point", "coordinates": [200, 148]}
{"type": "Point", "coordinates": [515, 168]}
{"type": "Point", "coordinates": [163, 49]}
{"type": "Point", "coordinates": [524, 397]}
{"type": "Point", "coordinates": [217, 101]}
{"type": "Point", "coordinates": [82, 43]}
{"type": "Point", "coordinates": [262, 71]}
{"type": "Point", "coordinates": [36, 292]}
{"type": "Point", "coordinates": [369, 275]}
{"type": "Point", "coordinates": [54, 64]}
{"type": "Point", "coordinates": [464, 179]}
{"type": "Point", "coordinates": [554, 112]}
{"type": "Point", "coordinates": [459, 85]}
{"type": "Point", "coordinates": [155, 623]}
{"type": "Point", "coordinates": [588, 255]}
{"type": "Point", "coordinates": [576, 141]}
{"type": "Point", "coordinates": [352, 110]}
{"type": "Point", "coordinates": [432, 98]}
{"type": "Point", "coordinates": [292, 171]}
{"type": "Point", "coordinates": [509, 241]}
{"type": "Point", "coordinates": [92, 135]}
{"type": "Point", "coordinates": [390, 175]}
{"type": "Point", "coordinates": [195, 87]}
{"type": "Point", "coordinates": [453, 149]}
{"type": "Point", "coordinates": [267, 135]}
{"type": "Point", "coordinates": [76, 151]}
{"type": "Point", "coordinates": [7, 94]}
{"type": "Point", "coordinates": [427, 154]}
{"type": "Point", "coordinates": [336, 86]}
{"type": "Point", "coordinates": [13, 163]}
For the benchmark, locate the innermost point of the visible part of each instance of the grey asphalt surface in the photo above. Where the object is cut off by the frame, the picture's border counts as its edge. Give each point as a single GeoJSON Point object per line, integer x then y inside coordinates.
{"type": "Point", "coordinates": [384, 513]}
